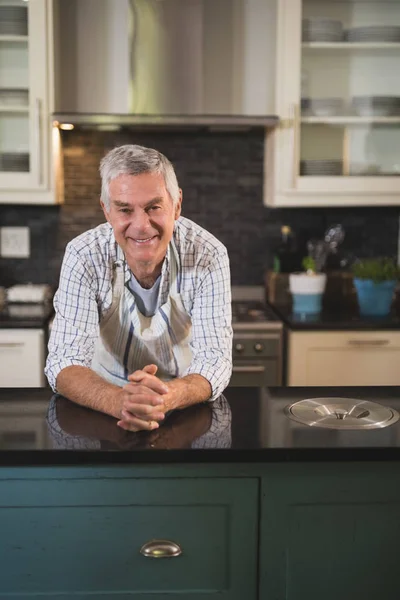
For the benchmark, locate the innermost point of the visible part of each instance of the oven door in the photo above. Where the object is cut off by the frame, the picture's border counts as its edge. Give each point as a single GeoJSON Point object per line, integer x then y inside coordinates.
{"type": "Point", "coordinates": [255, 373]}
{"type": "Point", "coordinates": [256, 359]}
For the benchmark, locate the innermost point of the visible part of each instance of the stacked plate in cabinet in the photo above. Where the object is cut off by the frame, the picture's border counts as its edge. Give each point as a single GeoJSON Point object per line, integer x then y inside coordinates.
{"type": "Point", "coordinates": [13, 20]}
{"type": "Point", "coordinates": [365, 170]}
{"type": "Point", "coordinates": [321, 168]}
{"type": "Point", "coordinates": [320, 29]}
{"type": "Point", "coordinates": [373, 33]}
{"type": "Point", "coordinates": [16, 162]}
{"type": "Point", "coordinates": [376, 106]}
{"type": "Point", "coordinates": [322, 107]}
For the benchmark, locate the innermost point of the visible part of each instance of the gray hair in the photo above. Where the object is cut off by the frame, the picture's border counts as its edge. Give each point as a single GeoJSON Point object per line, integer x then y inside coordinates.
{"type": "Point", "coordinates": [132, 159]}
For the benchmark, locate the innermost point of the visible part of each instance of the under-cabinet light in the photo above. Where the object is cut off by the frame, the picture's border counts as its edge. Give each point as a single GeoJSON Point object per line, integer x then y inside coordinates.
{"type": "Point", "coordinates": [66, 126]}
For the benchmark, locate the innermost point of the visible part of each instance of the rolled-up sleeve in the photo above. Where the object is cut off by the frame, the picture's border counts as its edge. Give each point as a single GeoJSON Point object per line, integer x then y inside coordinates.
{"type": "Point", "coordinates": [76, 324]}
{"type": "Point", "coordinates": [212, 323]}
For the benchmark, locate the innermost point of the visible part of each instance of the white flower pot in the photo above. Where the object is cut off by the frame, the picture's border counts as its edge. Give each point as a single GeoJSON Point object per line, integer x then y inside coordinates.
{"type": "Point", "coordinates": [307, 291]}
{"type": "Point", "coordinates": [302, 283]}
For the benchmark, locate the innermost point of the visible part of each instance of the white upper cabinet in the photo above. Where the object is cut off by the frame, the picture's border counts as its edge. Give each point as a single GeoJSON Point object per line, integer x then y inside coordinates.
{"type": "Point", "coordinates": [26, 173]}
{"type": "Point", "coordinates": [338, 97]}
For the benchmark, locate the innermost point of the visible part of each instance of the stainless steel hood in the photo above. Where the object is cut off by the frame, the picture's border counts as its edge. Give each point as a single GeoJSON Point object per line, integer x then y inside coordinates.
{"type": "Point", "coordinates": [165, 63]}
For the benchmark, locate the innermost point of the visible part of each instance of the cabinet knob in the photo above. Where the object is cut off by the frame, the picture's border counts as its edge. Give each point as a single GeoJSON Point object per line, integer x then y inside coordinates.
{"type": "Point", "coordinates": [258, 347]}
{"type": "Point", "coordinates": [160, 549]}
{"type": "Point", "coordinates": [239, 347]}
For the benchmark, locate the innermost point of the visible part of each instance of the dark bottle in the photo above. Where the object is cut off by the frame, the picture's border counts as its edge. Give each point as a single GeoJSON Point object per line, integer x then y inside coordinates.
{"type": "Point", "coordinates": [286, 258]}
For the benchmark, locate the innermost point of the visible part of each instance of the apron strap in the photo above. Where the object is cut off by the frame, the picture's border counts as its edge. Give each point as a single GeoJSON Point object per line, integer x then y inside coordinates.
{"type": "Point", "coordinates": [175, 268]}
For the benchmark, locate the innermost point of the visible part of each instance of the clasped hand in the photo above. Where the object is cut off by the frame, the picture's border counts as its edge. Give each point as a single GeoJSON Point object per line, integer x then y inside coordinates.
{"type": "Point", "coordinates": [143, 400]}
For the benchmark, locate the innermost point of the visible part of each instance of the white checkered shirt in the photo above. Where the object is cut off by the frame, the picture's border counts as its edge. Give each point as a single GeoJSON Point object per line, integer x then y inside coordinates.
{"type": "Point", "coordinates": [85, 294]}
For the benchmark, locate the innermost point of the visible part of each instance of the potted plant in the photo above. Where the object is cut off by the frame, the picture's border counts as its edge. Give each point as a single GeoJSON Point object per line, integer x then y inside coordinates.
{"type": "Point", "coordinates": [375, 280]}
{"type": "Point", "coordinates": [307, 288]}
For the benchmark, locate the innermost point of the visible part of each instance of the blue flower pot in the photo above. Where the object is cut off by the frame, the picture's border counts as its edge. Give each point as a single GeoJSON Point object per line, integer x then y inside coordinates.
{"type": "Point", "coordinates": [307, 304]}
{"type": "Point", "coordinates": [374, 299]}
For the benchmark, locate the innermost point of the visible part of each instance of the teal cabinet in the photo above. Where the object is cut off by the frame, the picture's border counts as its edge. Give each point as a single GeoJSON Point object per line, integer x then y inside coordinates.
{"type": "Point", "coordinates": [80, 539]}
{"type": "Point", "coordinates": [330, 532]}
{"type": "Point", "coordinates": [283, 531]}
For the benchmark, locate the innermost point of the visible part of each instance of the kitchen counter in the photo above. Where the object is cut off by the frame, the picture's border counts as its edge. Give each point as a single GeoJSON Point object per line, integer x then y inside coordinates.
{"type": "Point", "coordinates": [334, 319]}
{"type": "Point", "coordinates": [257, 506]}
{"type": "Point", "coordinates": [243, 425]}
{"type": "Point", "coordinates": [25, 316]}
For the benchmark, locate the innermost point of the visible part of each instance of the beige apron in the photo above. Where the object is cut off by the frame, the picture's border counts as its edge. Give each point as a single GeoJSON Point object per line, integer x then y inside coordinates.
{"type": "Point", "coordinates": [128, 340]}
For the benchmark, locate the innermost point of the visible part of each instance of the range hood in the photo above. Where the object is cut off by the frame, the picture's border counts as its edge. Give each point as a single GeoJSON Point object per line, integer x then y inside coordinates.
{"type": "Point", "coordinates": [165, 63]}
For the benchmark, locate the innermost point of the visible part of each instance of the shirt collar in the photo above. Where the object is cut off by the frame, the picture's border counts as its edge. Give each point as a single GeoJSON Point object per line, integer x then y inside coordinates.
{"type": "Point", "coordinates": [128, 273]}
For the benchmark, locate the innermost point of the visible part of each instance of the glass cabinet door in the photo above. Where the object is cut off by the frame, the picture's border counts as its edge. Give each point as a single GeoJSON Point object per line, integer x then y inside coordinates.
{"type": "Point", "coordinates": [22, 93]}
{"type": "Point", "coordinates": [349, 115]}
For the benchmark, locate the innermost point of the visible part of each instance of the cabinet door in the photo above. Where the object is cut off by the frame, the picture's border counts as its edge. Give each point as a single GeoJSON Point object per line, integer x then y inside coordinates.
{"type": "Point", "coordinates": [24, 100]}
{"type": "Point", "coordinates": [82, 538]}
{"type": "Point", "coordinates": [22, 358]}
{"type": "Point", "coordinates": [344, 358]}
{"type": "Point", "coordinates": [339, 100]}
{"type": "Point", "coordinates": [330, 532]}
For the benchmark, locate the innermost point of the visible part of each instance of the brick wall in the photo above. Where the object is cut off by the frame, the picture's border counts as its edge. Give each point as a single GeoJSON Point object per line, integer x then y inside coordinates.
{"type": "Point", "coordinates": [221, 177]}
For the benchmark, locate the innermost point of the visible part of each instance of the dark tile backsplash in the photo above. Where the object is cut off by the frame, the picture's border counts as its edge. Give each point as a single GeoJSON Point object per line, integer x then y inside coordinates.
{"type": "Point", "coordinates": [222, 181]}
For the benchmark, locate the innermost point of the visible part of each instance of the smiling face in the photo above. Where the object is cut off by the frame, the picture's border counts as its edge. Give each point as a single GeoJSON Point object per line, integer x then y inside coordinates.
{"type": "Point", "coordinates": [142, 215]}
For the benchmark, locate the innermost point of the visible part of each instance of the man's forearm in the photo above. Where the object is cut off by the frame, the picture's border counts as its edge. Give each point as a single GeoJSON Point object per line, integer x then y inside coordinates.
{"type": "Point", "coordinates": [188, 390]}
{"type": "Point", "coordinates": [85, 387]}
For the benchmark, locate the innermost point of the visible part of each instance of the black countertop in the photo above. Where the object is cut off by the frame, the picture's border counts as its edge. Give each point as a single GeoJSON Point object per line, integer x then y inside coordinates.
{"type": "Point", "coordinates": [334, 319]}
{"type": "Point", "coordinates": [244, 425]}
{"type": "Point", "coordinates": [25, 316]}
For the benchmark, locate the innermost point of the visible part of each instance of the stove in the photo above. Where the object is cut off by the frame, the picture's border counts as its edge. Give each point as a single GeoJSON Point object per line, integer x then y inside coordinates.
{"type": "Point", "coordinates": [255, 314]}
{"type": "Point", "coordinates": [257, 344]}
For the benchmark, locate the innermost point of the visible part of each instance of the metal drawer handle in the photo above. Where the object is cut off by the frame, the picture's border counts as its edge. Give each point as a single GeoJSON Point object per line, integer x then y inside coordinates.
{"type": "Point", "coordinates": [368, 342]}
{"type": "Point", "coordinates": [160, 549]}
{"type": "Point", "coordinates": [249, 369]}
{"type": "Point", "coordinates": [11, 344]}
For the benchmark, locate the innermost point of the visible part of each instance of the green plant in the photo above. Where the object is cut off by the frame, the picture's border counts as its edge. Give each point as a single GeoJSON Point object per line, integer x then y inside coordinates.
{"type": "Point", "coordinates": [377, 269]}
{"type": "Point", "coordinates": [308, 264]}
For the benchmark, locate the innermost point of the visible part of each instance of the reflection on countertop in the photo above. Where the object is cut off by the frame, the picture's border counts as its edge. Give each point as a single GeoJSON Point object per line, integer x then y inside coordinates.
{"type": "Point", "coordinates": [206, 425]}
{"type": "Point", "coordinates": [243, 425]}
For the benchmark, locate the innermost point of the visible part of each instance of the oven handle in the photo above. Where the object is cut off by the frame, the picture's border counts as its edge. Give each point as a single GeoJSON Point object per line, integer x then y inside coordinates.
{"type": "Point", "coordinates": [251, 369]}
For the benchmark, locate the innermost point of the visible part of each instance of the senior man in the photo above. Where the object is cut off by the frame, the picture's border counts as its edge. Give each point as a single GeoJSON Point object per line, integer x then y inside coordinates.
{"type": "Point", "coordinates": [143, 310]}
